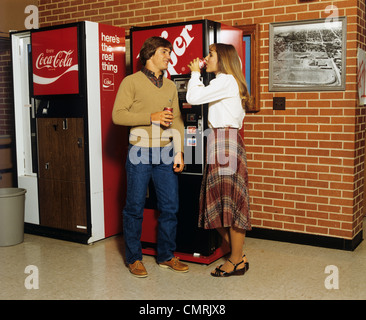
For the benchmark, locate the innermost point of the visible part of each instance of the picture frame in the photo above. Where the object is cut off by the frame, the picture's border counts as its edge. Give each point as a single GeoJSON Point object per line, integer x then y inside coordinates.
{"type": "Point", "coordinates": [251, 47]}
{"type": "Point", "coordinates": [308, 55]}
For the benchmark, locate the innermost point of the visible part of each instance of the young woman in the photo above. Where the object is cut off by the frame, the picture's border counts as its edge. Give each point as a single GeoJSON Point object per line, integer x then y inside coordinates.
{"type": "Point", "coordinates": [224, 198]}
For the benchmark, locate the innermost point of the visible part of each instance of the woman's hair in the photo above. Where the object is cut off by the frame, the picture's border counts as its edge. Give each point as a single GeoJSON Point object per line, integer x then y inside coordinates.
{"type": "Point", "coordinates": [150, 45]}
{"type": "Point", "coordinates": [229, 62]}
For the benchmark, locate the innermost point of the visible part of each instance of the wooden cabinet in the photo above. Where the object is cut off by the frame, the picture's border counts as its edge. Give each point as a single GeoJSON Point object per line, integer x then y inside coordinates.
{"type": "Point", "coordinates": [61, 160]}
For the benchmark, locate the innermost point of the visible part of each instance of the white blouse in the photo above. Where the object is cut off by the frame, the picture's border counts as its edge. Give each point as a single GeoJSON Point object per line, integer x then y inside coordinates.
{"type": "Point", "coordinates": [223, 98]}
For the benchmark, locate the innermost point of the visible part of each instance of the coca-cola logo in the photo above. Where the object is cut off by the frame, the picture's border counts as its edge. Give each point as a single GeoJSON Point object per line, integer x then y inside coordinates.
{"type": "Point", "coordinates": [108, 81]}
{"type": "Point", "coordinates": [62, 59]}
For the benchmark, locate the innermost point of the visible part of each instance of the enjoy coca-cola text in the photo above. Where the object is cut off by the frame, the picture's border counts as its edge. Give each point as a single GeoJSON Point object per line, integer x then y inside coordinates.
{"type": "Point", "coordinates": [61, 59]}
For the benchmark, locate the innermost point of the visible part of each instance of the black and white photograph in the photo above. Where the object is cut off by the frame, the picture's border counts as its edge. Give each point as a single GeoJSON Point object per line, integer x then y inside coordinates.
{"type": "Point", "coordinates": [307, 55]}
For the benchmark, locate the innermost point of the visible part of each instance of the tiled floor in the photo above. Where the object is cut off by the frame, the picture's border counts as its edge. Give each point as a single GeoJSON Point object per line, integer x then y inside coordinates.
{"type": "Point", "coordinates": [278, 270]}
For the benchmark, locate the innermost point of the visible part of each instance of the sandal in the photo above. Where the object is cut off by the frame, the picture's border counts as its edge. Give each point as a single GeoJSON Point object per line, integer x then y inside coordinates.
{"type": "Point", "coordinates": [221, 273]}
{"type": "Point", "coordinates": [246, 263]}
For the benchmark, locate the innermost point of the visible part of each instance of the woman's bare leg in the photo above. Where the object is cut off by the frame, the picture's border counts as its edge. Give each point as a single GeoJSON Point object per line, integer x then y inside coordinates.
{"type": "Point", "coordinates": [235, 237]}
{"type": "Point", "coordinates": [224, 233]}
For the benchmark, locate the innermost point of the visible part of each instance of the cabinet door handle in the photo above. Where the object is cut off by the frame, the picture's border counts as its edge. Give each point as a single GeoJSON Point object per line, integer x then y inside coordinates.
{"type": "Point", "coordinates": [80, 142]}
{"type": "Point", "coordinates": [47, 165]}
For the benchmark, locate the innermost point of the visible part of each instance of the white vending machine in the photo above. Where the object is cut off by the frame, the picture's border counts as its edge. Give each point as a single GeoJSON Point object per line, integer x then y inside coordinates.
{"type": "Point", "coordinates": [69, 155]}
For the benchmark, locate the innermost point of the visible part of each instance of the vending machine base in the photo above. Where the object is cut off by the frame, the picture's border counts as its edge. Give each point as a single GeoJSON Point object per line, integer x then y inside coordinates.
{"type": "Point", "coordinates": [191, 257]}
{"type": "Point", "coordinates": [185, 249]}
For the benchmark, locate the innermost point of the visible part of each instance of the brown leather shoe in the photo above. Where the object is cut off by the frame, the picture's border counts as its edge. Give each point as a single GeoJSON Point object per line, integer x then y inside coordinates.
{"type": "Point", "coordinates": [137, 269]}
{"type": "Point", "coordinates": [175, 265]}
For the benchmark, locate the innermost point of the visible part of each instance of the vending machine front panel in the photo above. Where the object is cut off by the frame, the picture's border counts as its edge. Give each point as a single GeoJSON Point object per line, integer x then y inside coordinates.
{"type": "Point", "coordinates": [195, 122]}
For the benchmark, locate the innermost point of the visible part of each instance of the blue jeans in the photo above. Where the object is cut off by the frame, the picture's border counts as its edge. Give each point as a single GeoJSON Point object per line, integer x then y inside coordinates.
{"type": "Point", "coordinates": [141, 165]}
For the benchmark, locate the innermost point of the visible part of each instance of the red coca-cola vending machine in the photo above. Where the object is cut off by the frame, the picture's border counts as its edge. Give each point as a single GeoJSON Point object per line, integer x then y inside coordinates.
{"type": "Point", "coordinates": [190, 40]}
{"type": "Point", "coordinates": [70, 156]}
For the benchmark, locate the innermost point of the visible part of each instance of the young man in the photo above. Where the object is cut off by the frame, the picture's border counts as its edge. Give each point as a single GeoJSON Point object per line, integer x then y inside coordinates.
{"type": "Point", "coordinates": [155, 151]}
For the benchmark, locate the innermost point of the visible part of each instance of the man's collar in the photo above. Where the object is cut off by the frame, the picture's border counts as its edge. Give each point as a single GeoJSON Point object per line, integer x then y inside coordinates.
{"type": "Point", "coordinates": [151, 76]}
{"type": "Point", "coordinates": [150, 73]}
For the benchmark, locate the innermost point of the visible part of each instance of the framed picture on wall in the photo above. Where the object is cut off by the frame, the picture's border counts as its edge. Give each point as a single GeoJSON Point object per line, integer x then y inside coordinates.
{"type": "Point", "coordinates": [308, 55]}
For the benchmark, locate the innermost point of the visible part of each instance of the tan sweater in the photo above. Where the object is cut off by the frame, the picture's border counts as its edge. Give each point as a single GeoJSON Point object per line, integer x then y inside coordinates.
{"type": "Point", "coordinates": [137, 98]}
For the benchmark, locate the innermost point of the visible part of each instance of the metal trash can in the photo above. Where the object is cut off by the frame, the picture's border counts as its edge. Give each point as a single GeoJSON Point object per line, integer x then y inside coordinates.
{"type": "Point", "coordinates": [12, 201]}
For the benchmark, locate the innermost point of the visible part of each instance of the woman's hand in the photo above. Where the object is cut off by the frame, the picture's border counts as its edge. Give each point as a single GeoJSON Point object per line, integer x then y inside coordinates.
{"type": "Point", "coordinates": [194, 65]}
{"type": "Point", "coordinates": [165, 118]}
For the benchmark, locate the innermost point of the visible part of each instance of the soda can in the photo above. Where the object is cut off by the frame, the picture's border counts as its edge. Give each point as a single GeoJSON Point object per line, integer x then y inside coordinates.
{"type": "Point", "coordinates": [202, 63]}
{"type": "Point", "coordinates": [169, 109]}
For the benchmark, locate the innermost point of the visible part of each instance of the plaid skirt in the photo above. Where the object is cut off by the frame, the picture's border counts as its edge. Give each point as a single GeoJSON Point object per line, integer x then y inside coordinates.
{"type": "Point", "coordinates": [224, 195]}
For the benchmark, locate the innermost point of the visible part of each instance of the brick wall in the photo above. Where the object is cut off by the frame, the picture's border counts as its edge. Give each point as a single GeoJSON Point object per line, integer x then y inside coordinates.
{"type": "Point", "coordinates": [307, 162]}
{"type": "Point", "coordinates": [6, 90]}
